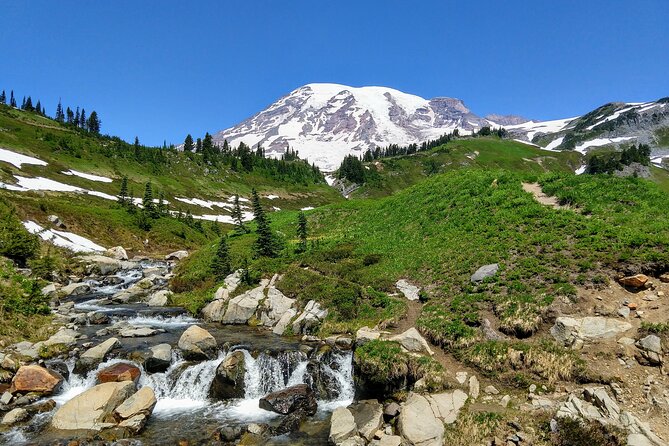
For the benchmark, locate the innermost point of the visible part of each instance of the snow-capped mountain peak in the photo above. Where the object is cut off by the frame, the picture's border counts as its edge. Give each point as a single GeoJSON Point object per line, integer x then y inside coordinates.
{"type": "Point", "coordinates": [326, 122]}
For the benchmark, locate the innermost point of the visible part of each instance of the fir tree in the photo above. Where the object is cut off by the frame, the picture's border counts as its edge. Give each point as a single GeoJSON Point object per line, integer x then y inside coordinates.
{"type": "Point", "coordinates": [12, 99]}
{"type": "Point", "coordinates": [147, 201]}
{"type": "Point", "coordinates": [198, 145]}
{"type": "Point", "coordinates": [220, 263]}
{"type": "Point", "coordinates": [70, 115]}
{"type": "Point", "coordinates": [162, 206]}
{"type": "Point", "coordinates": [93, 124]}
{"type": "Point", "coordinates": [302, 231]}
{"type": "Point", "coordinates": [76, 118]}
{"type": "Point", "coordinates": [60, 116]}
{"type": "Point", "coordinates": [188, 143]}
{"type": "Point", "coordinates": [3, 98]}
{"type": "Point", "coordinates": [38, 107]}
{"type": "Point", "coordinates": [82, 119]}
{"type": "Point", "coordinates": [123, 193]}
{"type": "Point", "coordinates": [237, 217]}
{"type": "Point", "coordinates": [265, 244]}
{"type": "Point", "coordinates": [136, 148]}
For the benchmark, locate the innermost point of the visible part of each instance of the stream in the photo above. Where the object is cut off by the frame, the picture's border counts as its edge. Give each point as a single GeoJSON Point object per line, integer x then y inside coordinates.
{"type": "Point", "coordinates": [184, 410]}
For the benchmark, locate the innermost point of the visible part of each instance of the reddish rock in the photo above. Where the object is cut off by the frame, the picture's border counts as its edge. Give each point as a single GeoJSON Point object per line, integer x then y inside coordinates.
{"type": "Point", "coordinates": [632, 306]}
{"type": "Point", "coordinates": [119, 372]}
{"type": "Point", "coordinates": [636, 281]}
{"type": "Point", "coordinates": [33, 378]}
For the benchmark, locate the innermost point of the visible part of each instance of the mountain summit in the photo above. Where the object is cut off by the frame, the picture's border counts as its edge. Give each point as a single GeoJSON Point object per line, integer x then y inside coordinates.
{"type": "Point", "coordinates": [326, 122]}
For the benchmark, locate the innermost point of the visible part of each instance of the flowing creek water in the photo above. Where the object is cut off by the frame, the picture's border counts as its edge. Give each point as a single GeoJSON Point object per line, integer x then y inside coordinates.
{"type": "Point", "coordinates": [184, 410]}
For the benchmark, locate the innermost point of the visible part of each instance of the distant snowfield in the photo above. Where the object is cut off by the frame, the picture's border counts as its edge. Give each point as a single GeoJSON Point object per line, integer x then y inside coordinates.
{"type": "Point", "coordinates": [63, 239]}
{"type": "Point", "coordinates": [534, 127]}
{"type": "Point", "coordinates": [18, 159]}
{"type": "Point", "coordinates": [204, 203]}
{"type": "Point", "coordinates": [88, 176]}
{"type": "Point", "coordinates": [598, 142]}
{"type": "Point", "coordinates": [272, 197]}
{"type": "Point", "coordinates": [246, 216]}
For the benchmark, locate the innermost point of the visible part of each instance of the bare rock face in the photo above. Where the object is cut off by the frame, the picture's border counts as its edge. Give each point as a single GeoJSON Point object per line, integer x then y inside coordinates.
{"type": "Point", "coordinates": [33, 378]}
{"type": "Point", "coordinates": [198, 344]}
{"type": "Point", "coordinates": [229, 379]}
{"type": "Point", "coordinates": [292, 399]}
{"type": "Point", "coordinates": [418, 424]}
{"type": "Point", "coordinates": [568, 330]}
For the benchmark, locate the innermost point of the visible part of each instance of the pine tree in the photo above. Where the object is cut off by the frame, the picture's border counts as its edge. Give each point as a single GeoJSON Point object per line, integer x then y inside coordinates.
{"type": "Point", "coordinates": [60, 116]}
{"type": "Point", "coordinates": [70, 115]}
{"type": "Point", "coordinates": [93, 123]}
{"type": "Point", "coordinates": [136, 148]}
{"type": "Point", "coordinates": [38, 107]}
{"type": "Point", "coordinates": [162, 206]}
{"type": "Point", "coordinates": [123, 193]}
{"type": "Point", "coordinates": [188, 143]}
{"type": "Point", "coordinates": [3, 98]}
{"type": "Point", "coordinates": [82, 119]}
{"type": "Point", "coordinates": [12, 99]}
{"type": "Point", "coordinates": [302, 231]}
{"type": "Point", "coordinates": [220, 263]}
{"type": "Point", "coordinates": [76, 118]}
{"type": "Point", "coordinates": [265, 244]}
{"type": "Point", "coordinates": [237, 217]}
{"type": "Point", "coordinates": [198, 145]}
{"type": "Point", "coordinates": [147, 201]}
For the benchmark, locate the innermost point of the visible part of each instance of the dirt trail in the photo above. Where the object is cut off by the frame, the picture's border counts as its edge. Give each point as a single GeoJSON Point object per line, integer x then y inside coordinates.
{"type": "Point", "coordinates": [541, 197]}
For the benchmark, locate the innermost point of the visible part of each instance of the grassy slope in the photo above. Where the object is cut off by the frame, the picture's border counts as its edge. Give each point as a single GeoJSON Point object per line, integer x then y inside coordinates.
{"type": "Point", "coordinates": [101, 220]}
{"type": "Point", "coordinates": [389, 175]}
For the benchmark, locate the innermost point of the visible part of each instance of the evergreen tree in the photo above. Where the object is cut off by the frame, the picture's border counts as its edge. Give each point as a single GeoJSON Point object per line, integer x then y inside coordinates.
{"type": "Point", "coordinates": [123, 193]}
{"type": "Point", "coordinates": [136, 148]}
{"type": "Point", "coordinates": [147, 201]}
{"type": "Point", "coordinates": [60, 116]}
{"type": "Point", "coordinates": [38, 107]}
{"type": "Point", "coordinates": [82, 119]}
{"type": "Point", "coordinates": [3, 98]}
{"type": "Point", "coordinates": [198, 145]}
{"type": "Point", "coordinates": [302, 231]}
{"type": "Point", "coordinates": [265, 244]}
{"type": "Point", "coordinates": [220, 263]}
{"type": "Point", "coordinates": [93, 123]}
{"type": "Point", "coordinates": [12, 99]}
{"type": "Point", "coordinates": [162, 206]}
{"type": "Point", "coordinates": [237, 217]}
{"type": "Point", "coordinates": [70, 115]}
{"type": "Point", "coordinates": [188, 143]}
{"type": "Point", "coordinates": [76, 118]}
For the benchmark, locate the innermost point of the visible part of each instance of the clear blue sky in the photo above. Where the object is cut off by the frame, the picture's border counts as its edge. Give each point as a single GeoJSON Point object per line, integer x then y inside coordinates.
{"type": "Point", "coordinates": [160, 69]}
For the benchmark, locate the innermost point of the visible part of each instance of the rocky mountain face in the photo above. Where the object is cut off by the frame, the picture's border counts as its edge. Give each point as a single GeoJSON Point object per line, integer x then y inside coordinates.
{"type": "Point", "coordinates": [326, 122]}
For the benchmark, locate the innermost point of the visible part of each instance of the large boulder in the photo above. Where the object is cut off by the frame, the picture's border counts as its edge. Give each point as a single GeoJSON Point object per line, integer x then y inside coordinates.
{"type": "Point", "coordinates": [95, 355]}
{"type": "Point", "coordinates": [118, 372]}
{"type": "Point", "coordinates": [229, 379]}
{"type": "Point", "coordinates": [198, 344]}
{"type": "Point", "coordinates": [418, 424]}
{"type": "Point", "coordinates": [446, 406]}
{"type": "Point", "coordinates": [160, 359]}
{"type": "Point", "coordinates": [140, 403]}
{"type": "Point", "coordinates": [14, 416]}
{"type": "Point", "coordinates": [368, 415]}
{"type": "Point", "coordinates": [567, 330]}
{"type": "Point", "coordinates": [291, 399]}
{"type": "Point", "coordinates": [312, 316]}
{"type": "Point", "coordinates": [74, 289]}
{"type": "Point", "coordinates": [177, 255]}
{"type": "Point", "coordinates": [243, 307]}
{"type": "Point", "coordinates": [33, 378]}
{"type": "Point", "coordinates": [93, 409]}
{"type": "Point", "coordinates": [650, 348]}
{"type": "Point", "coordinates": [342, 426]}
{"type": "Point", "coordinates": [365, 335]}
{"type": "Point", "coordinates": [214, 311]}
{"type": "Point", "coordinates": [159, 298]}
{"type": "Point", "coordinates": [636, 281]}
{"type": "Point", "coordinates": [485, 272]}
{"type": "Point", "coordinates": [103, 264]}
{"type": "Point", "coordinates": [117, 252]}
{"type": "Point", "coordinates": [413, 341]}
{"type": "Point", "coordinates": [284, 321]}
{"type": "Point", "coordinates": [64, 336]}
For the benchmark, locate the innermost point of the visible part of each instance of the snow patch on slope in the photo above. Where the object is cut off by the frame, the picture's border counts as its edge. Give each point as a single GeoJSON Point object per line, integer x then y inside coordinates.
{"type": "Point", "coordinates": [18, 159]}
{"type": "Point", "coordinates": [63, 239]}
{"type": "Point", "coordinates": [87, 176]}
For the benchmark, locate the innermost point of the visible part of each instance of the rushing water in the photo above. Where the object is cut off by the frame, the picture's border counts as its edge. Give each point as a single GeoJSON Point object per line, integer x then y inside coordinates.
{"type": "Point", "coordinates": [182, 391]}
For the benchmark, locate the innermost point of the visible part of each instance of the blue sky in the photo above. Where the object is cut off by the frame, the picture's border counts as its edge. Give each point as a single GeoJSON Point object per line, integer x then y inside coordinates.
{"type": "Point", "coordinates": [161, 69]}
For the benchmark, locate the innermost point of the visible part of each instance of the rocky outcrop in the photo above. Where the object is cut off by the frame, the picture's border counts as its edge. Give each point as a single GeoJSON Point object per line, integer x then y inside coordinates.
{"type": "Point", "coordinates": [229, 379]}
{"type": "Point", "coordinates": [284, 321]}
{"type": "Point", "coordinates": [95, 355]}
{"type": "Point", "coordinates": [177, 255]}
{"type": "Point", "coordinates": [274, 307]}
{"type": "Point", "coordinates": [93, 409]}
{"type": "Point", "coordinates": [103, 265]}
{"type": "Point", "coordinates": [650, 350]}
{"type": "Point", "coordinates": [33, 378]}
{"type": "Point", "coordinates": [243, 307]}
{"type": "Point", "coordinates": [568, 330]}
{"type": "Point", "coordinates": [291, 399]}
{"type": "Point", "coordinates": [485, 272]}
{"type": "Point", "coordinates": [118, 372]}
{"type": "Point", "coordinates": [159, 298]}
{"type": "Point", "coordinates": [74, 289]}
{"type": "Point", "coordinates": [446, 406]}
{"type": "Point", "coordinates": [411, 292]}
{"type": "Point", "coordinates": [365, 335]}
{"type": "Point", "coordinates": [342, 426]}
{"type": "Point", "coordinates": [197, 344]}
{"type": "Point", "coordinates": [117, 252]}
{"type": "Point", "coordinates": [311, 318]}
{"type": "Point", "coordinates": [412, 341]}
{"type": "Point", "coordinates": [214, 311]}
{"type": "Point", "coordinates": [368, 416]}
{"type": "Point", "coordinates": [594, 403]}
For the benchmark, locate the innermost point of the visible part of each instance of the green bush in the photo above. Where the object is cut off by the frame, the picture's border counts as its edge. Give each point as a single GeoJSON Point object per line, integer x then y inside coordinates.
{"type": "Point", "coordinates": [16, 242]}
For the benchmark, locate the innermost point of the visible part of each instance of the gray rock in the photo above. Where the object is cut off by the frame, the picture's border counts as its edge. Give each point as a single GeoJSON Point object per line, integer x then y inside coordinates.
{"type": "Point", "coordinates": [411, 292]}
{"type": "Point", "coordinates": [418, 424]}
{"type": "Point", "coordinates": [368, 415]}
{"type": "Point", "coordinates": [228, 381]}
{"type": "Point", "coordinates": [342, 426]}
{"type": "Point", "coordinates": [177, 255]}
{"type": "Point", "coordinates": [651, 349]}
{"type": "Point", "coordinates": [413, 341]}
{"type": "Point", "coordinates": [197, 344]}
{"type": "Point", "coordinates": [102, 264]}
{"type": "Point", "coordinates": [275, 306]}
{"type": "Point", "coordinates": [485, 272]}
{"type": "Point", "coordinates": [15, 416]}
{"type": "Point", "coordinates": [568, 330]}
{"type": "Point", "coordinates": [474, 387]}
{"type": "Point", "coordinates": [117, 252]}
{"type": "Point", "coordinates": [366, 334]}
{"type": "Point", "coordinates": [284, 321]}
{"type": "Point", "coordinates": [159, 298]}
{"type": "Point", "coordinates": [160, 359]}
{"type": "Point", "coordinates": [243, 307]}
{"type": "Point", "coordinates": [312, 316]}
{"type": "Point", "coordinates": [446, 406]}
{"type": "Point", "coordinates": [74, 289]}
{"type": "Point", "coordinates": [95, 355]}
{"type": "Point", "coordinates": [140, 403]}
